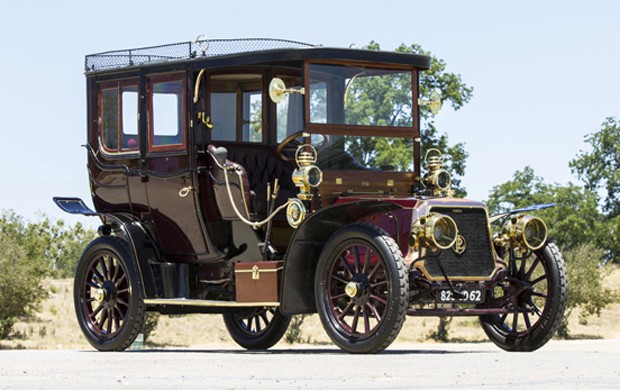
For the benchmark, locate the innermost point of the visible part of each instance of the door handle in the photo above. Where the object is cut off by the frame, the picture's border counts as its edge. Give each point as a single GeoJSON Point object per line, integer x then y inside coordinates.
{"type": "Point", "coordinates": [185, 191]}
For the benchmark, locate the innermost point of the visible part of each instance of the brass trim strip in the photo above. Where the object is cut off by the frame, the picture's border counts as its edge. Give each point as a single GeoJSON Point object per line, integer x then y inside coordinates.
{"type": "Point", "coordinates": [206, 303]}
{"type": "Point", "coordinates": [260, 269]}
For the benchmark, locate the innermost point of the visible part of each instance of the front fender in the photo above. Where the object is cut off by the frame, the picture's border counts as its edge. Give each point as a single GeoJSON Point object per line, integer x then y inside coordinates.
{"type": "Point", "coordinates": [305, 248]}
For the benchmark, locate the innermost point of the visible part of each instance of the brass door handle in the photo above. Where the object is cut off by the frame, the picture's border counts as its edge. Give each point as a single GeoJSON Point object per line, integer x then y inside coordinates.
{"type": "Point", "coordinates": [185, 191]}
{"type": "Point", "coordinates": [205, 119]}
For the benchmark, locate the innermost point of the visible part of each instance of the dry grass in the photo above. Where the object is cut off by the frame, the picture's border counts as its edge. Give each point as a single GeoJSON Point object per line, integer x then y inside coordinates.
{"type": "Point", "coordinates": [56, 327]}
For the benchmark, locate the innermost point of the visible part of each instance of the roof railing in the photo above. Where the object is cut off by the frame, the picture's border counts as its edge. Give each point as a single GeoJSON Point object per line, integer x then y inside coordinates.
{"type": "Point", "coordinates": [184, 51]}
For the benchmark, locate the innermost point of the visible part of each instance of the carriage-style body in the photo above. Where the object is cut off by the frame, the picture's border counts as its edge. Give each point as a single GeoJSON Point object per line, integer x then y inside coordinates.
{"type": "Point", "coordinates": [266, 178]}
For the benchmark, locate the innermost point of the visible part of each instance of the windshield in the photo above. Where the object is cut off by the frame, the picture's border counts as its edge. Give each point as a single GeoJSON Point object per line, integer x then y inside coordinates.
{"type": "Point", "coordinates": [368, 101]}
{"type": "Point", "coordinates": [361, 96]}
{"type": "Point", "coordinates": [351, 152]}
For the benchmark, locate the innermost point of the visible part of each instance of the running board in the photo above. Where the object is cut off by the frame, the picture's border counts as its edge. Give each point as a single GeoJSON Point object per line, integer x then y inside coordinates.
{"type": "Point", "coordinates": [206, 303]}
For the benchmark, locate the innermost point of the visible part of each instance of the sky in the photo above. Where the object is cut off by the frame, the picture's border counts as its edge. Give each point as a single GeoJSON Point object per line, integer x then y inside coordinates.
{"type": "Point", "coordinates": [544, 73]}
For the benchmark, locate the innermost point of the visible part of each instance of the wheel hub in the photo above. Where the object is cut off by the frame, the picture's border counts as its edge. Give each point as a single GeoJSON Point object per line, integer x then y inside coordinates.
{"type": "Point", "coordinates": [100, 295]}
{"type": "Point", "coordinates": [358, 289]}
{"type": "Point", "coordinates": [106, 295]}
{"type": "Point", "coordinates": [352, 288]}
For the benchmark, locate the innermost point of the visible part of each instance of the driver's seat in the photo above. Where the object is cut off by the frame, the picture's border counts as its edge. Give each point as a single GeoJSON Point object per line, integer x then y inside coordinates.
{"type": "Point", "coordinates": [239, 185]}
{"type": "Point", "coordinates": [263, 166]}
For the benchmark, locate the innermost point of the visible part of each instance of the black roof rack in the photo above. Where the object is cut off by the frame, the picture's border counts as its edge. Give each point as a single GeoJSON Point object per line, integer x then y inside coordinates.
{"type": "Point", "coordinates": [184, 51]}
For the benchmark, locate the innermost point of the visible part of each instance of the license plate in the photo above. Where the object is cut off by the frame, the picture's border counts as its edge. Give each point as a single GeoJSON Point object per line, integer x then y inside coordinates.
{"type": "Point", "coordinates": [465, 296]}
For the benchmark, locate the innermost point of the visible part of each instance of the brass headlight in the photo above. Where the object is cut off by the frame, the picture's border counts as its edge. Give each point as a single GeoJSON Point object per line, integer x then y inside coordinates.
{"type": "Point", "coordinates": [527, 231]}
{"type": "Point", "coordinates": [438, 180]}
{"type": "Point", "coordinates": [308, 176]}
{"type": "Point", "coordinates": [435, 231]}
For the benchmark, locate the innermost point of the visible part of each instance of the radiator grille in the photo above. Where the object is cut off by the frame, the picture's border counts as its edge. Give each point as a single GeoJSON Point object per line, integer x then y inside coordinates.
{"type": "Point", "coordinates": [477, 260]}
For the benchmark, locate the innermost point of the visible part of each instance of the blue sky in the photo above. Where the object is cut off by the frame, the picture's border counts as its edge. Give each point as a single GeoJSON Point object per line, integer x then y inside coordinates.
{"type": "Point", "coordinates": [544, 75]}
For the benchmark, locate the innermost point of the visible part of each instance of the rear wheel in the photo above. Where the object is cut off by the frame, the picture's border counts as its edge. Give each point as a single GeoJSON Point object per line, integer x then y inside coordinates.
{"type": "Point", "coordinates": [107, 297]}
{"type": "Point", "coordinates": [543, 280]}
{"type": "Point", "coordinates": [259, 328]}
{"type": "Point", "coordinates": [361, 289]}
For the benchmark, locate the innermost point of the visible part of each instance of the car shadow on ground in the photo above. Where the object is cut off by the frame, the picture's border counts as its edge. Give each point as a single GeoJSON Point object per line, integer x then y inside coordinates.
{"type": "Point", "coordinates": [299, 351]}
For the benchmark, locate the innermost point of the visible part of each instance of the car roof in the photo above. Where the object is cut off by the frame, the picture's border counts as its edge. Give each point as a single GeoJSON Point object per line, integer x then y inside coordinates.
{"type": "Point", "coordinates": [220, 53]}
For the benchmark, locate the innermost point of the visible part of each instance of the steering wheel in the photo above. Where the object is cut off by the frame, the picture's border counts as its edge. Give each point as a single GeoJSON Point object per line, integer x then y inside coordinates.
{"type": "Point", "coordinates": [285, 142]}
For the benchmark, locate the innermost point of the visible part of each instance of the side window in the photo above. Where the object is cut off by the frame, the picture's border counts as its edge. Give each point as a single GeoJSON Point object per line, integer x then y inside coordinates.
{"type": "Point", "coordinates": [237, 107]}
{"type": "Point", "coordinates": [224, 116]}
{"type": "Point", "coordinates": [118, 117]}
{"type": "Point", "coordinates": [166, 113]}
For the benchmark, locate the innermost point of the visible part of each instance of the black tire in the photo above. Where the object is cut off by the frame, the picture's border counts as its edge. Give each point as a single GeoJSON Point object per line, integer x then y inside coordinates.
{"type": "Point", "coordinates": [545, 272]}
{"type": "Point", "coordinates": [361, 276]}
{"type": "Point", "coordinates": [259, 328]}
{"type": "Point", "coordinates": [107, 295]}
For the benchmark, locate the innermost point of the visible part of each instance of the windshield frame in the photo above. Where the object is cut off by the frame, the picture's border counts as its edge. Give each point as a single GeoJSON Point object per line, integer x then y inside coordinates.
{"type": "Point", "coordinates": [349, 129]}
{"type": "Point", "coordinates": [366, 130]}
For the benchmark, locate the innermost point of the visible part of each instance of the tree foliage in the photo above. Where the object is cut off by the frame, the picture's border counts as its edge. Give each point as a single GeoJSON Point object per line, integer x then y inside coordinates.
{"type": "Point", "coordinates": [55, 244]}
{"type": "Point", "coordinates": [585, 278]}
{"type": "Point", "coordinates": [21, 289]}
{"type": "Point", "coordinates": [30, 252]}
{"type": "Point", "coordinates": [599, 169]}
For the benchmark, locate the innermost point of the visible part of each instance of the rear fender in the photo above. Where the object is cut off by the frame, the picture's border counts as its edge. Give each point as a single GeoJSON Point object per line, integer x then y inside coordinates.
{"type": "Point", "coordinates": [305, 248]}
{"type": "Point", "coordinates": [144, 249]}
{"type": "Point", "coordinates": [143, 246]}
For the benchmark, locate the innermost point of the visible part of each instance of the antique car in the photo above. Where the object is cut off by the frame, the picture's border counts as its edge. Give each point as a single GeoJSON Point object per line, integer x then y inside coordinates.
{"type": "Point", "coordinates": [263, 178]}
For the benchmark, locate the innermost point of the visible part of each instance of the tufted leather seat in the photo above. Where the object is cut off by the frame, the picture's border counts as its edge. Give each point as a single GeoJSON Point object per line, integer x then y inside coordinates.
{"type": "Point", "coordinates": [263, 166]}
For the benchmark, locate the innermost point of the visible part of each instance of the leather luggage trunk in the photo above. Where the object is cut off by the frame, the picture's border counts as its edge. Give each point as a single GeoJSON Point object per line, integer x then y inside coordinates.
{"type": "Point", "coordinates": [258, 281]}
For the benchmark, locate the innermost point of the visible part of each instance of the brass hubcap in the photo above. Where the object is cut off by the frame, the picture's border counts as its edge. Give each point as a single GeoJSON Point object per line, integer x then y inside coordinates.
{"type": "Point", "coordinates": [351, 289]}
{"type": "Point", "coordinates": [100, 294]}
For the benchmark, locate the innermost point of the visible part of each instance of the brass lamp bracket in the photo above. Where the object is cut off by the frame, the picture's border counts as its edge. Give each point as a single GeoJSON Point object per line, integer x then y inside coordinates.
{"type": "Point", "coordinates": [278, 90]}
{"type": "Point", "coordinates": [434, 104]}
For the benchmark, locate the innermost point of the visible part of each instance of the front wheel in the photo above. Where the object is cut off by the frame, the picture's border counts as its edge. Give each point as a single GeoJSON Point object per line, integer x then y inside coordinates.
{"type": "Point", "coordinates": [361, 289]}
{"type": "Point", "coordinates": [543, 282]}
{"type": "Point", "coordinates": [107, 296]}
{"type": "Point", "coordinates": [259, 328]}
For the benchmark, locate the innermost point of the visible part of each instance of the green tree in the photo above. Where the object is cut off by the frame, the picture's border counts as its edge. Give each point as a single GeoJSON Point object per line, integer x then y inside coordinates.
{"type": "Point", "coordinates": [524, 189]}
{"type": "Point", "coordinates": [30, 252]}
{"type": "Point", "coordinates": [599, 169]}
{"type": "Point", "coordinates": [54, 244]}
{"type": "Point", "coordinates": [585, 278]}
{"type": "Point", "coordinates": [21, 289]}
{"type": "Point", "coordinates": [67, 246]}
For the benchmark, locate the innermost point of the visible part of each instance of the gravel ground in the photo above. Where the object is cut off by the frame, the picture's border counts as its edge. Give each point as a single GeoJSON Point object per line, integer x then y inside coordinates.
{"type": "Point", "coordinates": [560, 364]}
